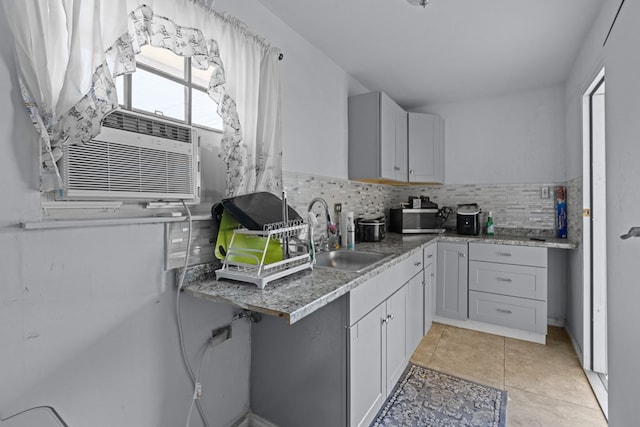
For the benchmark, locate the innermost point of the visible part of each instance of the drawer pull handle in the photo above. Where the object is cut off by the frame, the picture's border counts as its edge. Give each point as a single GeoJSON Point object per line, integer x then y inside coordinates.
{"type": "Point", "coordinates": [504, 253]}
{"type": "Point", "coordinates": [502, 310]}
{"type": "Point", "coordinates": [417, 264]}
{"type": "Point", "coordinates": [504, 279]}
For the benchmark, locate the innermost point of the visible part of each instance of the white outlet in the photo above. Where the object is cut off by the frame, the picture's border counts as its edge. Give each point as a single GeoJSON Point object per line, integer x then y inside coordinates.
{"type": "Point", "coordinates": [544, 192]}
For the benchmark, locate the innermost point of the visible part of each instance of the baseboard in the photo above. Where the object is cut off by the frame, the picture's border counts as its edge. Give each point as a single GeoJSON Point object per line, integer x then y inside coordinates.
{"type": "Point", "coordinates": [493, 329]}
{"type": "Point", "coordinates": [554, 321]}
{"type": "Point", "coordinates": [576, 347]}
{"type": "Point", "coordinates": [252, 420]}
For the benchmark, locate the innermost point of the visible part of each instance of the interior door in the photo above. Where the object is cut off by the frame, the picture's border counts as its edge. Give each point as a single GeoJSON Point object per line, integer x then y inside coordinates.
{"type": "Point", "coordinates": [594, 227]}
{"type": "Point", "coordinates": [623, 199]}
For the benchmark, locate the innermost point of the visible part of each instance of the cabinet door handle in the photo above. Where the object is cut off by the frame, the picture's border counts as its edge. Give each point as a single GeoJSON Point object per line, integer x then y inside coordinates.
{"type": "Point", "coordinates": [462, 254]}
{"type": "Point", "coordinates": [388, 318]}
{"type": "Point", "coordinates": [396, 168]}
{"type": "Point", "coordinates": [633, 232]}
{"type": "Point", "coordinates": [502, 310]}
{"type": "Point", "coordinates": [412, 172]}
{"type": "Point", "coordinates": [417, 263]}
{"type": "Point", "coordinates": [504, 279]}
{"type": "Point", "coordinates": [430, 256]}
{"type": "Point", "coordinates": [503, 253]}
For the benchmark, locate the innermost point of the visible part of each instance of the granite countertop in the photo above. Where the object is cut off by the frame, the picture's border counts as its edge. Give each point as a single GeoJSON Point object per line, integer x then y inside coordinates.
{"type": "Point", "coordinates": [296, 296]}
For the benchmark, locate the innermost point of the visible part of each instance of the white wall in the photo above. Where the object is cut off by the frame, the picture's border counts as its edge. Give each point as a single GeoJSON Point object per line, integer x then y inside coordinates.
{"type": "Point", "coordinates": [526, 128]}
{"type": "Point", "coordinates": [315, 91]}
{"type": "Point", "coordinates": [586, 67]}
{"type": "Point", "coordinates": [87, 314]}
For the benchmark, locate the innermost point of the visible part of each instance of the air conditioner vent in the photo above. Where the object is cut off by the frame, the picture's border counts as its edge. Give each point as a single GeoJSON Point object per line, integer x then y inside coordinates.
{"type": "Point", "coordinates": [146, 126]}
{"type": "Point", "coordinates": [116, 167]}
{"type": "Point", "coordinates": [136, 158]}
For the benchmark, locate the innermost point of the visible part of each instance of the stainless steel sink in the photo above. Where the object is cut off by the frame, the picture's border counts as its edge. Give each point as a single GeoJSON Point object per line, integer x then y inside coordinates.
{"type": "Point", "coordinates": [347, 260]}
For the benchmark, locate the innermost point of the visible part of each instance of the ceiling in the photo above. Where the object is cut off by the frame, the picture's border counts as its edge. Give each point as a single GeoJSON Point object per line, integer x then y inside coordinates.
{"type": "Point", "coordinates": [448, 51]}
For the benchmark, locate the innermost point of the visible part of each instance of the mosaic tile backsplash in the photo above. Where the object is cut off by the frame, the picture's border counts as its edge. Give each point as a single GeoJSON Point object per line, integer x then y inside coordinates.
{"type": "Point", "coordinates": [514, 206]}
{"type": "Point", "coordinates": [574, 209]}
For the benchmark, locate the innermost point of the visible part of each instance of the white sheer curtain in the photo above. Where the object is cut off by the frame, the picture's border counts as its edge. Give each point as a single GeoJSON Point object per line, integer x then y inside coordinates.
{"type": "Point", "coordinates": [253, 81]}
{"type": "Point", "coordinates": [69, 51]}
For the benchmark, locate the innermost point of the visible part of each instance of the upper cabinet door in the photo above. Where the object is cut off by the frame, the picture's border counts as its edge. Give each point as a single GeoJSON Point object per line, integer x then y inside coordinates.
{"type": "Point", "coordinates": [401, 166]}
{"type": "Point", "coordinates": [426, 148]}
{"type": "Point", "coordinates": [377, 138]}
{"type": "Point", "coordinates": [388, 113]}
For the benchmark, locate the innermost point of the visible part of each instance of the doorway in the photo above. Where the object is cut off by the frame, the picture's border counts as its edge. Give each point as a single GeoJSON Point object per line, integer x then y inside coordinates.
{"type": "Point", "coordinates": [595, 238]}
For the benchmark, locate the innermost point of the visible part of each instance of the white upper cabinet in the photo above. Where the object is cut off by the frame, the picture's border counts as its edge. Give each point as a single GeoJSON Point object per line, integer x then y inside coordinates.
{"type": "Point", "coordinates": [377, 138]}
{"type": "Point", "coordinates": [426, 148]}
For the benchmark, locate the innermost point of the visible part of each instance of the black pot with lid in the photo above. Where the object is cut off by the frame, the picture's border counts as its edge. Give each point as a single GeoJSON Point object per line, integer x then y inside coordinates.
{"type": "Point", "coordinates": [370, 230]}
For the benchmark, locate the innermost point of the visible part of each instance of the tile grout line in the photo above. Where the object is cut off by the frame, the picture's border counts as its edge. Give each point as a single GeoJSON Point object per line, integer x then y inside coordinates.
{"type": "Point", "coordinates": [555, 398]}
{"type": "Point", "coordinates": [436, 346]}
{"type": "Point", "coordinates": [504, 364]}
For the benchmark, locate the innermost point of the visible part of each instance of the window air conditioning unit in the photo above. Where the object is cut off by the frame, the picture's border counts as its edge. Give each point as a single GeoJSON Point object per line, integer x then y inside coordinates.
{"type": "Point", "coordinates": [134, 157]}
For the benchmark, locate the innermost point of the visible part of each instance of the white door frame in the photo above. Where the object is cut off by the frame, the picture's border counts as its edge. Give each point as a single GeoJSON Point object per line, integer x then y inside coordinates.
{"type": "Point", "coordinates": [594, 230]}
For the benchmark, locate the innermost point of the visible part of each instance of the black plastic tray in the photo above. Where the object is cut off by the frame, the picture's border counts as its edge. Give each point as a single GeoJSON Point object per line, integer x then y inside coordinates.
{"type": "Point", "coordinates": [255, 210]}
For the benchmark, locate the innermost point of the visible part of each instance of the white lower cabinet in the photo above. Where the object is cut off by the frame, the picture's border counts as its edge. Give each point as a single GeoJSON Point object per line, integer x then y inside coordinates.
{"type": "Point", "coordinates": [429, 283]}
{"type": "Point", "coordinates": [394, 327]}
{"type": "Point", "coordinates": [367, 386]}
{"type": "Point", "coordinates": [451, 282]}
{"type": "Point", "coordinates": [383, 336]}
{"type": "Point", "coordinates": [377, 356]}
{"type": "Point", "coordinates": [415, 312]}
{"type": "Point", "coordinates": [508, 286]}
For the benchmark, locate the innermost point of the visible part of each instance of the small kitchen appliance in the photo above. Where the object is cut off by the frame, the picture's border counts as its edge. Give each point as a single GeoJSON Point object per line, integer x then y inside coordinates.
{"type": "Point", "coordinates": [468, 219]}
{"type": "Point", "coordinates": [425, 218]}
{"type": "Point", "coordinates": [370, 230]}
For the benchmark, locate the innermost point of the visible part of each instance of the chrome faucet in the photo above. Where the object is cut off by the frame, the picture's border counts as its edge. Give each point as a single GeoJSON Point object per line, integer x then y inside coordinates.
{"type": "Point", "coordinates": [330, 241]}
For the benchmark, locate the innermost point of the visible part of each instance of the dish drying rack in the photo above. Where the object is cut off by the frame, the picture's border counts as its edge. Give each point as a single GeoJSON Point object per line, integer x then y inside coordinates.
{"type": "Point", "coordinates": [260, 273]}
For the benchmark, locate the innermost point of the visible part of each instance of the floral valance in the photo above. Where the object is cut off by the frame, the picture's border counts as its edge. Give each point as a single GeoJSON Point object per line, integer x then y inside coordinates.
{"type": "Point", "coordinates": [68, 54]}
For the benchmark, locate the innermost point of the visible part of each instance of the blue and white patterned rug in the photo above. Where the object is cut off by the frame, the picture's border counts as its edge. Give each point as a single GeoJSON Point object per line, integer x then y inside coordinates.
{"type": "Point", "coordinates": [424, 397]}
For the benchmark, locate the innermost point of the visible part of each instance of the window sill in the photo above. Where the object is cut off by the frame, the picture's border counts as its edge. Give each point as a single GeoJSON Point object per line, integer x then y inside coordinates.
{"type": "Point", "coordinates": [101, 222]}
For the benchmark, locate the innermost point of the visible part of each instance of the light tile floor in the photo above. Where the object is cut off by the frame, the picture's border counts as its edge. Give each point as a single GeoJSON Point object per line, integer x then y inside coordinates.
{"type": "Point", "coordinates": [545, 383]}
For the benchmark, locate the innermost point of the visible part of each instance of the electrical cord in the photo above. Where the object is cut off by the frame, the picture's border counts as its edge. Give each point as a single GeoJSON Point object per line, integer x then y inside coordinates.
{"type": "Point", "coordinates": [197, 391]}
{"type": "Point", "coordinates": [185, 359]}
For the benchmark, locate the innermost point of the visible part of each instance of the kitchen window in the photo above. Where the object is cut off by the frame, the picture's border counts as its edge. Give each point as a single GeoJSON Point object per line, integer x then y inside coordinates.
{"type": "Point", "coordinates": [165, 84]}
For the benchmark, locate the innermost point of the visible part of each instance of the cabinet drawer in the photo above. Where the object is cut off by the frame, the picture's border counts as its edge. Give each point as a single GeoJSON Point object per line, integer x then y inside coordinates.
{"type": "Point", "coordinates": [511, 280]}
{"type": "Point", "coordinates": [368, 295]}
{"type": "Point", "coordinates": [508, 254]}
{"type": "Point", "coordinates": [518, 313]}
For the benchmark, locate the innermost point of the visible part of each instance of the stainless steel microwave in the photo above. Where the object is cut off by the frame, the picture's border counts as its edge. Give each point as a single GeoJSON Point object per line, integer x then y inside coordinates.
{"type": "Point", "coordinates": [408, 221]}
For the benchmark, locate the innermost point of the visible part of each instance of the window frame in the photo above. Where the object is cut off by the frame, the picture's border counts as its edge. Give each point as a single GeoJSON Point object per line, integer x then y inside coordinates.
{"type": "Point", "coordinates": [186, 82]}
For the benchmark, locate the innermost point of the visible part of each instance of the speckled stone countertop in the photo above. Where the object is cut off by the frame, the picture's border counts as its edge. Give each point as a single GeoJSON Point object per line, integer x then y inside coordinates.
{"type": "Point", "coordinates": [296, 296]}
